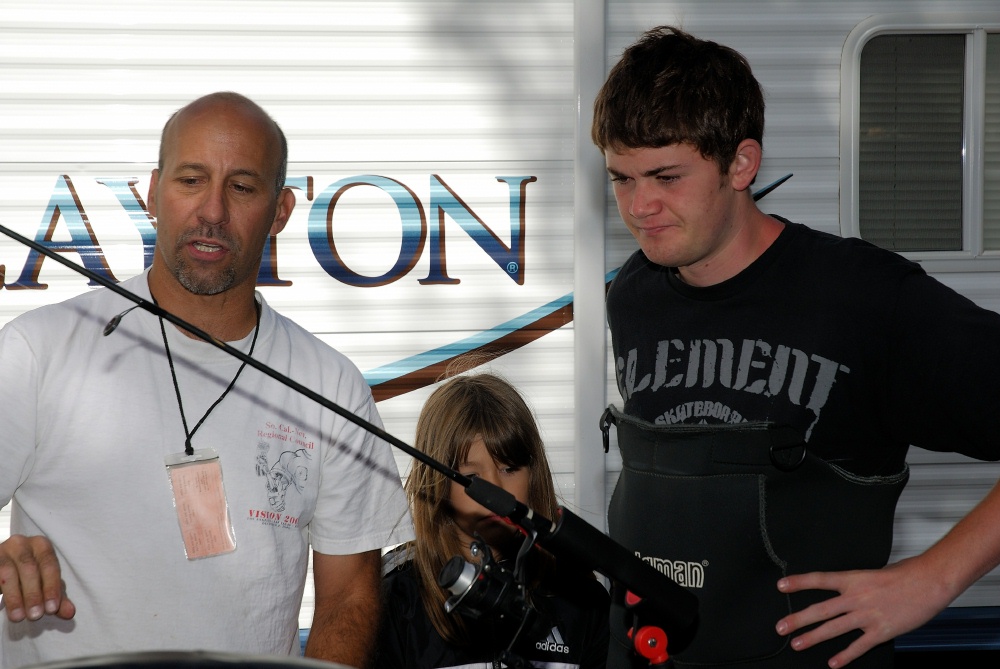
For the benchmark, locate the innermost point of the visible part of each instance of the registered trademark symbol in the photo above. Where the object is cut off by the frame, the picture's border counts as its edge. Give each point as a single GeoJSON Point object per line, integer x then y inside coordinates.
{"type": "Point", "coordinates": [512, 268]}
{"type": "Point", "coordinates": [704, 563]}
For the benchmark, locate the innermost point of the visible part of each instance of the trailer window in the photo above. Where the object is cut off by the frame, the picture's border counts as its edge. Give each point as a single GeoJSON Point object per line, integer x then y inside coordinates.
{"type": "Point", "coordinates": [910, 142]}
{"type": "Point", "coordinates": [921, 172]}
{"type": "Point", "coordinates": [991, 157]}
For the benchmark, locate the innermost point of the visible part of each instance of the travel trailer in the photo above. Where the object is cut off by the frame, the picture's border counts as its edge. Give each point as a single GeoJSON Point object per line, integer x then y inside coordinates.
{"type": "Point", "coordinates": [450, 201]}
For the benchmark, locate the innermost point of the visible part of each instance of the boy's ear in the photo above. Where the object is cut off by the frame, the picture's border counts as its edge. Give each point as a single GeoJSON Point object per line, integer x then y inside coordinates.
{"type": "Point", "coordinates": [744, 167]}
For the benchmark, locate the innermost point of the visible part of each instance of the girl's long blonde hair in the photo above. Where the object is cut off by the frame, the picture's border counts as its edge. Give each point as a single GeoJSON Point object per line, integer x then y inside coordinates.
{"type": "Point", "coordinates": [458, 412]}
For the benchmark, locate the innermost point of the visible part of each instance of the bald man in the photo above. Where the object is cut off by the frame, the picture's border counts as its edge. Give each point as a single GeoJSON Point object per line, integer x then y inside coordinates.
{"type": "Point", "coordinates": [153, 504]}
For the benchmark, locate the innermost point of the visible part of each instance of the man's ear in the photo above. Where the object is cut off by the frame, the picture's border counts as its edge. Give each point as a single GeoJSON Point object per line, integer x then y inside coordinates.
{"type": "Point", "coordinates": [151, 195]}
{"type": "Point", "coordinates": [744, 167]}
{"type": "Point", "coordinates": [286, 203]}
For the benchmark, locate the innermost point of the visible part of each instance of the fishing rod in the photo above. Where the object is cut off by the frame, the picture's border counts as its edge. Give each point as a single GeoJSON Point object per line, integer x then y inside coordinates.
{"type": "Point", "coordinates": [569, 536]}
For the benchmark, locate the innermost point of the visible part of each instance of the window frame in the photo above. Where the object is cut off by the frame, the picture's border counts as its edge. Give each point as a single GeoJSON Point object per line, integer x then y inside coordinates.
{"type": "Point", "coordinates": [975, 27]}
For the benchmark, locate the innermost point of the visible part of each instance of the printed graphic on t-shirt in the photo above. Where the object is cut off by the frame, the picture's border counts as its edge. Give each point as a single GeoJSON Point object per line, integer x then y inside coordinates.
{"type": "Point", "coordinates": [728, 369]}
{"type": "Point", "coordinates": [290, 470]}
{"type": "Point", "coordinates": [283, 464]}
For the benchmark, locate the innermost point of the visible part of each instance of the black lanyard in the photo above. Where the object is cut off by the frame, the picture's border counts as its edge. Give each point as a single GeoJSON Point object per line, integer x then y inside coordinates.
{"type": "Point", "coordinates": [188, 449]}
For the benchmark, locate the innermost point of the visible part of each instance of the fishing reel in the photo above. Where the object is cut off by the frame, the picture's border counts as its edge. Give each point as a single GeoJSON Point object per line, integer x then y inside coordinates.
{"type": "Point", "coordinates": [486, 588]}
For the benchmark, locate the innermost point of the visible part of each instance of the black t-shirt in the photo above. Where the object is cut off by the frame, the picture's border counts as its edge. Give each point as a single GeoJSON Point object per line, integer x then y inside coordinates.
{"type": "Point", "coordinates": [575, 630]}
{"type": "Point", "coordinates": [855, 346]}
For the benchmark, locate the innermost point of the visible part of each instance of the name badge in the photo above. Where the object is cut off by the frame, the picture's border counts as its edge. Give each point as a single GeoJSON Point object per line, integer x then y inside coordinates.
{"type": "Point", "coordinates": [200, 501]}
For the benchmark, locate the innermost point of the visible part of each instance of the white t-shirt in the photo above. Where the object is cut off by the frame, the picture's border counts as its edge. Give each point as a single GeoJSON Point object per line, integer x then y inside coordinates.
{"type": "Point", "coordinates": [87, 421]}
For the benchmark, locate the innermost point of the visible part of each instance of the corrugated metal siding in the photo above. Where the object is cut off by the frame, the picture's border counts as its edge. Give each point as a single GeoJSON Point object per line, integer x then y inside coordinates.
{"type": "Point", "coordinates": [405, 89]}
{"type": "Point", "coordinates": [795, 49]}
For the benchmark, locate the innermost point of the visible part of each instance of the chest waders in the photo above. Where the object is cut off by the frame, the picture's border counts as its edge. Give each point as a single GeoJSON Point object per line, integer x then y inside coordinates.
{"type": "Point", "coordinates": [726, 511]}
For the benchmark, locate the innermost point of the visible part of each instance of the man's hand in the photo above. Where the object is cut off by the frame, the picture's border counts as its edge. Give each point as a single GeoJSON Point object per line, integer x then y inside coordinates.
{"type": "Point", "coordinates": [30, 580]}
{"type": "Point", "coordinates": [882, 603]}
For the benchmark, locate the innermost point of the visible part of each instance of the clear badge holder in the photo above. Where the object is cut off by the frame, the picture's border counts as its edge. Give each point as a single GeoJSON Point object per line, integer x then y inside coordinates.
{"type": "Point", "coordinates": [200, 501]}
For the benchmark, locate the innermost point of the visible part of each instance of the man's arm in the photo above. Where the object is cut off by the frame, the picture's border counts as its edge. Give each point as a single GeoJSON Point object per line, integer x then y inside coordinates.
{"type": "Point", "coordinates": [31, 580]}
{"type": "Point", "coordinates": [347, 607]}
{"type": "Point", "coordinates": [887, 602]}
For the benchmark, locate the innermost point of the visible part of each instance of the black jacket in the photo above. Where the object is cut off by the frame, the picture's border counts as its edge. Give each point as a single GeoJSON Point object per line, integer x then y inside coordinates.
{"type": "Point", "coordinates": [574, 631]}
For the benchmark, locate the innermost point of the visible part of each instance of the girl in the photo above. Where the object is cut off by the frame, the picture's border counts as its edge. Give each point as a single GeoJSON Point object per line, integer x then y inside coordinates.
{"type": "Point", "coordinates": [480, 426]}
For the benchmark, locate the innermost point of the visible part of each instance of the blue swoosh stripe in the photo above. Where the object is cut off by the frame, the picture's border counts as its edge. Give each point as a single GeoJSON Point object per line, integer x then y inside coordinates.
{"type": "Point", "coordinates": [405, 366]}
{"type": "Point", "coordinates": [395, 370]}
